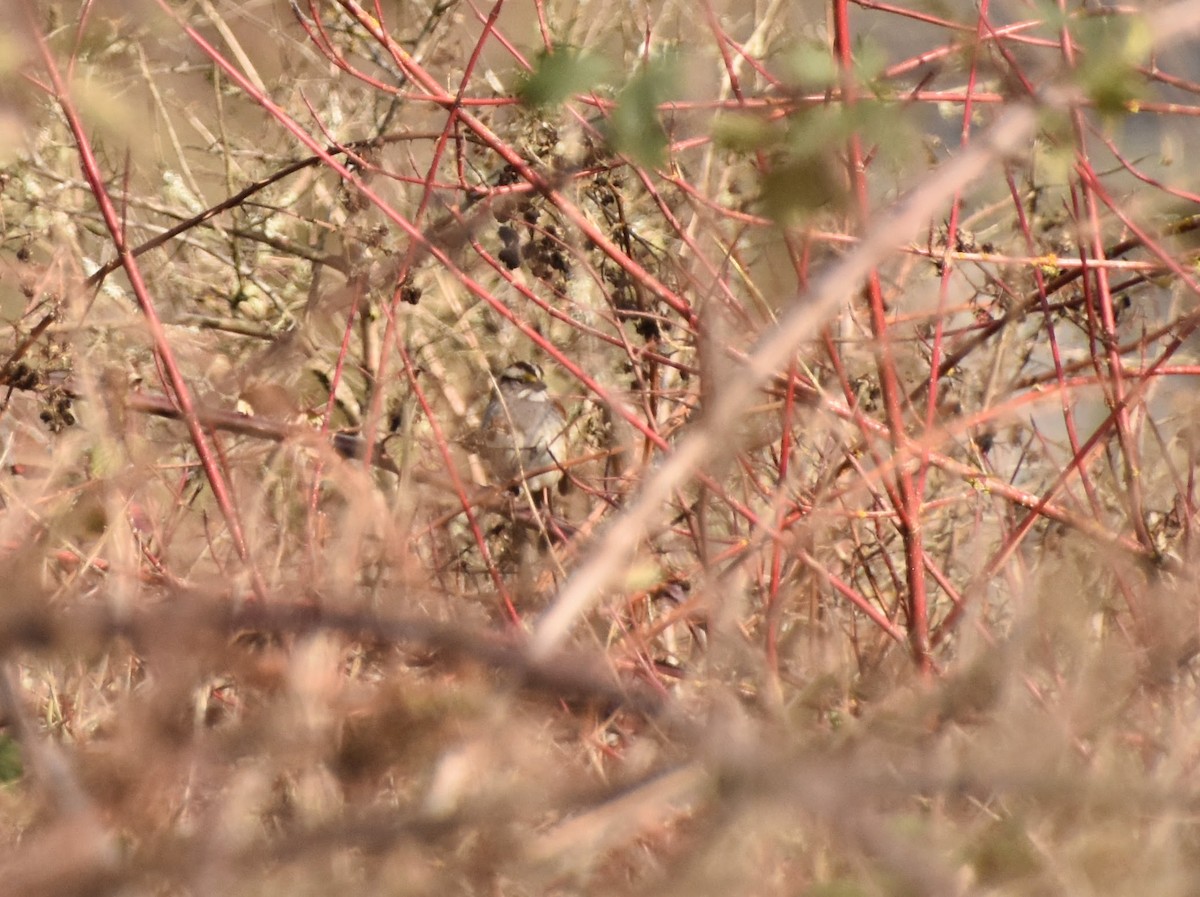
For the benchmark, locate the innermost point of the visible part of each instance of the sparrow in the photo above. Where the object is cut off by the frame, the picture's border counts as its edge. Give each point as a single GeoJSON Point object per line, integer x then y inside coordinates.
{"type": "Point", "coordinates": [523, 429]}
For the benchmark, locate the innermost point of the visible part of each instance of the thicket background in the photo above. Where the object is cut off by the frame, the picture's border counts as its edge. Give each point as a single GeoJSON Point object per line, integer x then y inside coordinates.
{"type": "Point", "coordinates": [875, 327]}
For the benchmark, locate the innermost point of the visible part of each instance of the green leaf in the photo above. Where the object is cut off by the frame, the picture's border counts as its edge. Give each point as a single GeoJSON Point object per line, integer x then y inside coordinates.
{"type": "Point", "coordinates": [809, 66]}
{"type": "Point", "coordinates": [743, 132]}
{"type": "Point", "coordinates": [634, 128]}
{"type": "Point", "coordinates": [11, 768]}
{"type": "Point", "coordinates": [558, 74]}
{"type": "Point", "coordinates": [1111, 48]}
{"type": "Point", "coordinates": [1003, 853]}
{"type": "Point", "coordinates": [799, 186]}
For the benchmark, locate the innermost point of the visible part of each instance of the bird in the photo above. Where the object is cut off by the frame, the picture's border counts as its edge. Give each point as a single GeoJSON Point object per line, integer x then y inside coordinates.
{"type": "Point", "coordinates": [523, 429]}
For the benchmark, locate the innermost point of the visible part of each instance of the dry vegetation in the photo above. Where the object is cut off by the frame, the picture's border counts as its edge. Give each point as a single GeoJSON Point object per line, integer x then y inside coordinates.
{"type": "Point", "coordinates": [873, 326]}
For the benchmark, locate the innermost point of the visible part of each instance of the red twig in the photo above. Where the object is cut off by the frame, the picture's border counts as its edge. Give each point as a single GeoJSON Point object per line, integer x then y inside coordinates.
{"type": "Point", "coordinates": [162, 346]}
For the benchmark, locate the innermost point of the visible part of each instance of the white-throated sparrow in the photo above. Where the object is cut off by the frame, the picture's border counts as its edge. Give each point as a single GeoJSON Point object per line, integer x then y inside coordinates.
{"type": "Point", "coordinates": [523, 431]}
